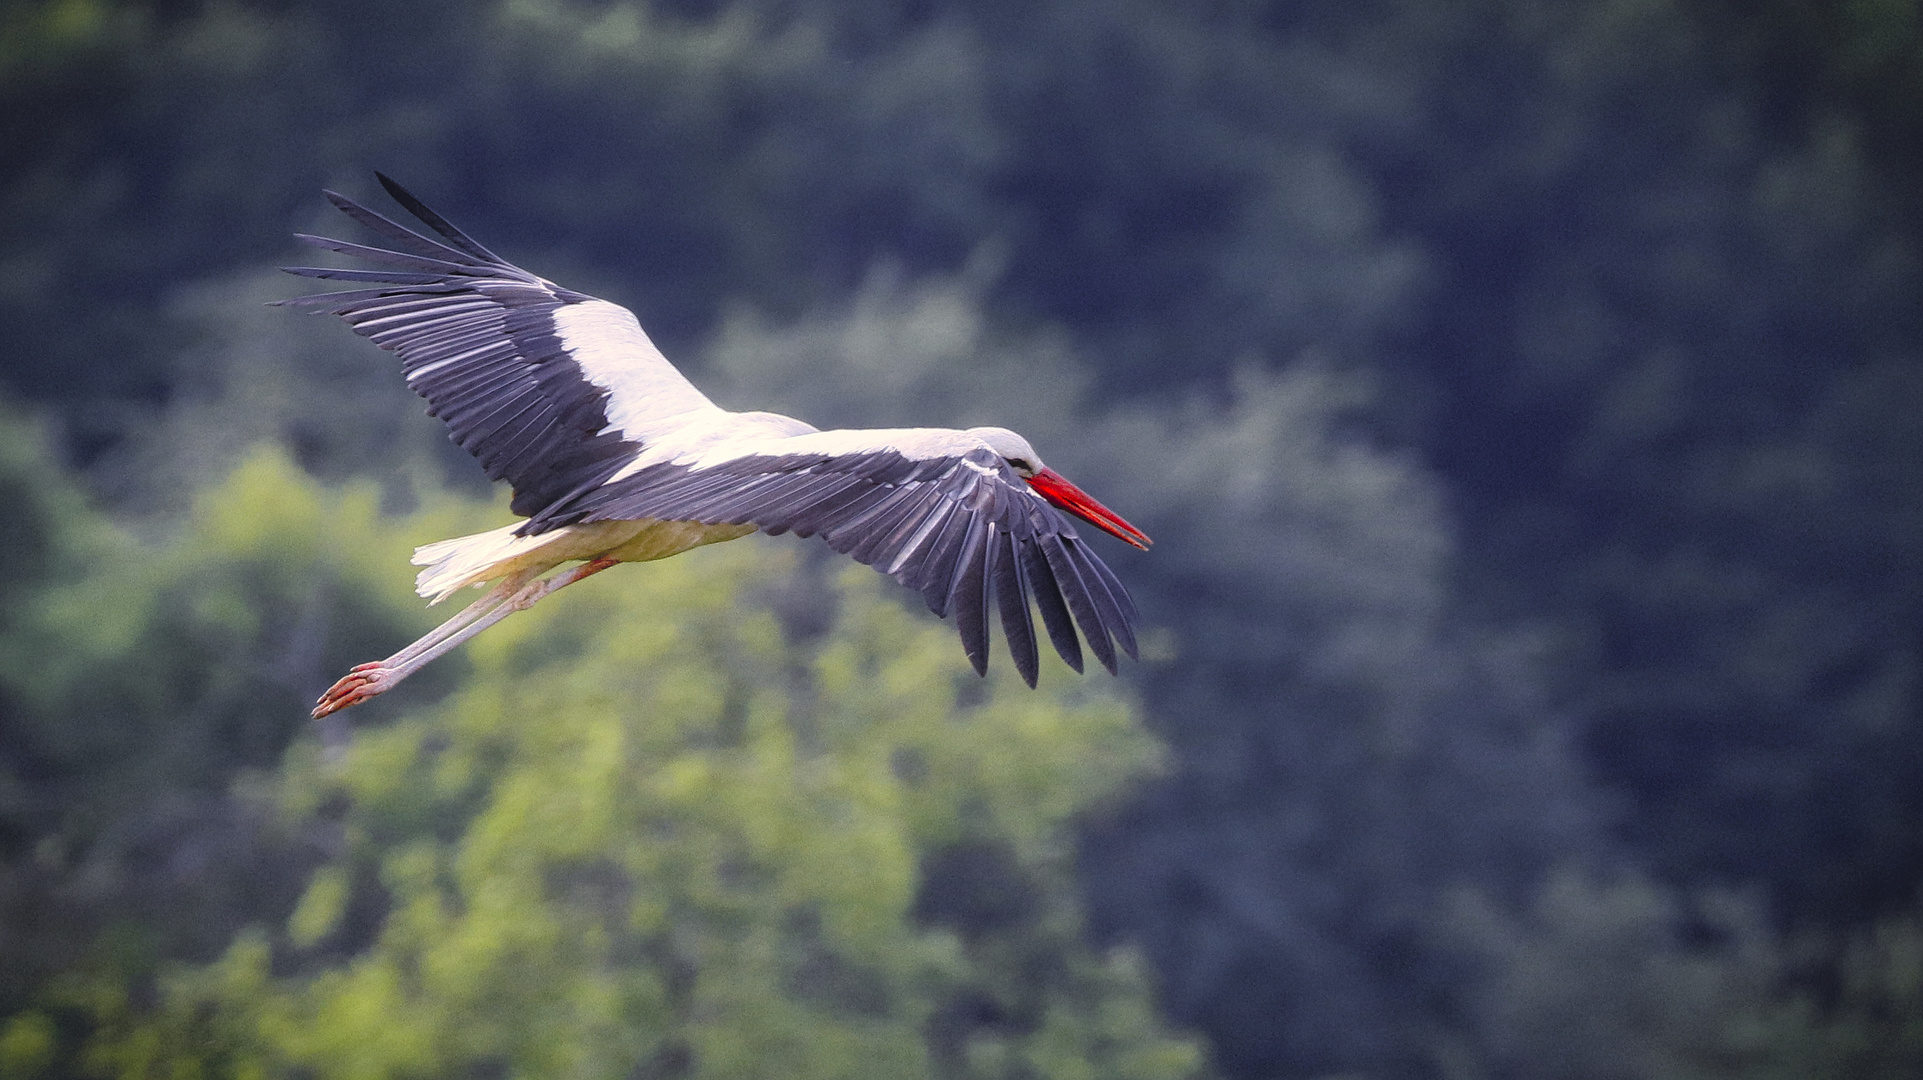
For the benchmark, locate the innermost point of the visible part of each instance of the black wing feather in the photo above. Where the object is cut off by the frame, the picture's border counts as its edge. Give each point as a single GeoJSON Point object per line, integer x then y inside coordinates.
{"type": "Point", "coordinates": [1005, 566]}
{"type": "Point", "coordinates": [969, 597]}
{"type": "Point", "coordinates": [1113, 621]}
{"type": "Point", "coordinates": [337, 303]}
{"type": "Point", "coordinates": [1075, 593]}
{"type": "Point", "coordinates": [400, 234]}
{"type": "Point", "coordinates": [963, 530]}
{"type": "Point", "coordinates": [440, 267]}
{"type": "Point", "coordinates": [1128, 616]}
{"type": "Point", "coordinates": [882, 548]}
{"type": "Point", "coordinates": [1048, 598]}
{"type": "Point", "coordinates": [438, 223]}
{"type": "Point", "coordinates": [943, 559]}
{"type": "Point", "coordinates": [478, 338]}
{"type": "Point", "coordinates": [391, 277]}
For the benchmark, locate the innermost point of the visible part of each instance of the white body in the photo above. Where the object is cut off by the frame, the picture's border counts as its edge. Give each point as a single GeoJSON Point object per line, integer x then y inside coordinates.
{"type": "Point", "coordinates": [451, 565]}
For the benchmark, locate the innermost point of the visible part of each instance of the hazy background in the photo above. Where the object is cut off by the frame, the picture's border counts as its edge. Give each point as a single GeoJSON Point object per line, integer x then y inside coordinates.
{"type": "Point", "coordinates": [1524, 396]}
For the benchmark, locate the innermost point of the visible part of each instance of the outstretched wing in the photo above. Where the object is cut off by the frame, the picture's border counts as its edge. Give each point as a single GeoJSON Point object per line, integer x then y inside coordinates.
{"type": "Point", "coordinates": [936, 510]}
{"type": "Point", "coordinates": [552, 390]}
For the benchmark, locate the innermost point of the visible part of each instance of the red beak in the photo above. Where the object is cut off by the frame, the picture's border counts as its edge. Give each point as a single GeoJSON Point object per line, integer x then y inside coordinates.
{"type": "Point", "coordinates": [1055, 487]}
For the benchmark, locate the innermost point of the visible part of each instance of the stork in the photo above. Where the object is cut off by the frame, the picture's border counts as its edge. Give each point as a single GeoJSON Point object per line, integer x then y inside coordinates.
{"type": "Point", "coordinates": [613, 456]}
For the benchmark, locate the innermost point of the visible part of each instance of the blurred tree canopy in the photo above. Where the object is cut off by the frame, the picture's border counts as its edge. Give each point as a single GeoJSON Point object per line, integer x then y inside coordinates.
{"type": "Point", "coordinates": [689, 842]}
{"type": "Point", "coordinates": [1525, 397]}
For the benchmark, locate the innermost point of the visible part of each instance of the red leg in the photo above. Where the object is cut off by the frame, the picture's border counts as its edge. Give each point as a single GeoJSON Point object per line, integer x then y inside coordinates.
{"type": "Point", "coordinates": [514, 594]}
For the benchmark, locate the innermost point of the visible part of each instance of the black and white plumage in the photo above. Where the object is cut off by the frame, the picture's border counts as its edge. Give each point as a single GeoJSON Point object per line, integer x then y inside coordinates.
{"type": "Point", "coordinates": [613, 456]}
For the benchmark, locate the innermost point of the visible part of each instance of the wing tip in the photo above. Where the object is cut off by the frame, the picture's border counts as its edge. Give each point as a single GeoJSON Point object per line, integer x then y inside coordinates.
{"type": "Point", "coordinates": [393, 187]}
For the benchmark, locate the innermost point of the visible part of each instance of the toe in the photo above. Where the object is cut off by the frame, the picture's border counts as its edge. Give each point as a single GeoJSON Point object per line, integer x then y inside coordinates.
{"type": "Point", "coordinates": [353, 688]}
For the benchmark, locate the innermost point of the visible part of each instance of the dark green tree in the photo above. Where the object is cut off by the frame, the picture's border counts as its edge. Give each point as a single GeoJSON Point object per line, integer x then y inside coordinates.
{"type": "Point", "coordinates": [654, 832]}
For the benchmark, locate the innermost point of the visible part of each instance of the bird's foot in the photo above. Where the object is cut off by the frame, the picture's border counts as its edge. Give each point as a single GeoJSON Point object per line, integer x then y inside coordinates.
{"type": "Point", "coordinates": [363, 682]}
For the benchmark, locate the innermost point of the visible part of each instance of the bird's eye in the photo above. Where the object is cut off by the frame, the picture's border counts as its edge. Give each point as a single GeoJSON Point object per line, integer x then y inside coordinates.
{"type": "Point", "coordinates": [1021, 465]}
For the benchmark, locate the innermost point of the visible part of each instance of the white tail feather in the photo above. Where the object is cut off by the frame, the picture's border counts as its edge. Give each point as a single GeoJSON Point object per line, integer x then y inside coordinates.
{"type": "Point", "coordinates": [471, 560]}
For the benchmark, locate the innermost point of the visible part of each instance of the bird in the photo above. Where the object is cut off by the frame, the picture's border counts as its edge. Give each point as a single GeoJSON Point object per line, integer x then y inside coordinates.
{"type": "Point", "coordinates": [612, 456]}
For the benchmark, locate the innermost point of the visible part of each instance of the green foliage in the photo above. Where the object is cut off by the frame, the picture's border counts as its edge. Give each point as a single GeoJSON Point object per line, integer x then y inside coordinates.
{"type": "Point", "coordinates": [196, 645]}
{"type": "Point", "coordinates": [1623, 977]}
{"type": "Point", "coordinates": [1859, 1015]}
{"type": "Point", "coordinates": [27, 1046]}
{"type": "Point", "coordinates": [650, 828]}
{"type": "Point", "coordinates": [139, 679]}
{"type": "Point", "coordinates": [45, 33]}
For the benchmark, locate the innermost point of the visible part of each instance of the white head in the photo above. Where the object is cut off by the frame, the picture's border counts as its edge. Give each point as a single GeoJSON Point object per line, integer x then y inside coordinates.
{"type": "Point", "coordinates": [1011, 448]}
{"type": "Point", "coordinates": [1055, 487]}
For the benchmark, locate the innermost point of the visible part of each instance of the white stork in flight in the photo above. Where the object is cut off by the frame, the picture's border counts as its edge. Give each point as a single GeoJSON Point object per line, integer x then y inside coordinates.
{"type": "Point", "coordinates": [614, 457]}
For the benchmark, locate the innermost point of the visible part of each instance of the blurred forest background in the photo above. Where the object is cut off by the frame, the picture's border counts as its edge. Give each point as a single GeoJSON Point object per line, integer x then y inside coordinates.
{"type": "Point", "coordinates": [1524, 394]}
